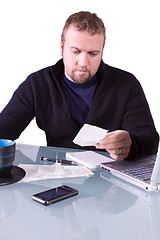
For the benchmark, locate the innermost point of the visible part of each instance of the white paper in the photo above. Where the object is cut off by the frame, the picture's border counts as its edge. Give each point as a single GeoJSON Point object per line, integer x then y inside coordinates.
{"type": "Point", "coordinates": [89, 159]}
{"type": "Point", "coordinates": [40, 172]}
{"type": "Point", "coordinates": [89, 135]}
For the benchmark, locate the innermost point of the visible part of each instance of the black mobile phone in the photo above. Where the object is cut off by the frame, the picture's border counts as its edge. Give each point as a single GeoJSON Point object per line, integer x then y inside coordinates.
{"type": "Point", "coordinates": [54, 195]}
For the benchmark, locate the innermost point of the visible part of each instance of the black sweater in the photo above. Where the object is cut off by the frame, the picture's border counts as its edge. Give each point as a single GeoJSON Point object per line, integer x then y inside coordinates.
{"type": "Point", "coordinates": [119, 103]}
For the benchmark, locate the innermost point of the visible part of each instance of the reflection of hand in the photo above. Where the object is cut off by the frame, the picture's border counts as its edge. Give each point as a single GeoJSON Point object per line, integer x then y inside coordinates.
{"type": "Point", "coordinates": [117, 143]}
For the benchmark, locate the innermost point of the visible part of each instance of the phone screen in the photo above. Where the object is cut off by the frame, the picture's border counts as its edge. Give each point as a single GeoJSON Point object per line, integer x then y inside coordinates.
{"type": "Point", "coordinates": [53, 195]}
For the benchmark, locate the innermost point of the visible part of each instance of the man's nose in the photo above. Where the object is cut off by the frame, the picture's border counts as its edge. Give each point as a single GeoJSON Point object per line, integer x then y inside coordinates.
{"type": "Point", "coordinates": [83, 59]}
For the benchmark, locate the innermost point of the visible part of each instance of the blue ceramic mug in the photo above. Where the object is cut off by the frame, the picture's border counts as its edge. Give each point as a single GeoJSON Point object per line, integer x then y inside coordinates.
{"type": "Point", "coordinates": [7, 154]}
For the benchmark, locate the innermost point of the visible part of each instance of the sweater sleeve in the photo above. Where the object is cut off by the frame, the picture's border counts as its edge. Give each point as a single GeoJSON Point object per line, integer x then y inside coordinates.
{"type": "Point", "coordinates": [18, 113]}
{"type": "Point", "coordinates": [139, 123]}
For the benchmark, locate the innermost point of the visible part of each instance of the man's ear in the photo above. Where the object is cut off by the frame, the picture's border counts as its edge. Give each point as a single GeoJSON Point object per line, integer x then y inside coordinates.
{"type": "Point", "coordinates": [61, 48]}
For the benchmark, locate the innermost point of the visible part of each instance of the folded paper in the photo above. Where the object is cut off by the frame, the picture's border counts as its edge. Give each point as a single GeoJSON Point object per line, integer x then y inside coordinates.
{"type": "Point", "coordinates": [40, 172]}
{"type": "Point", "coordinates": [89, 135]}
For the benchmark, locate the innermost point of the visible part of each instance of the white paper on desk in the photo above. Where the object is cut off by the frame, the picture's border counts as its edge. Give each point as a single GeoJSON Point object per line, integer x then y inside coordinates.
{"type": "Point", "coordinates": [40, 172]}
{"type": "Point", "coordinates": [89, 135]}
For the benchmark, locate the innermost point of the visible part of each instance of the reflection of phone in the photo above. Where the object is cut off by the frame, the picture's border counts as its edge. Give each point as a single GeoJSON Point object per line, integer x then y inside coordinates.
{"type": "Point", "coordinates": [54, 195]}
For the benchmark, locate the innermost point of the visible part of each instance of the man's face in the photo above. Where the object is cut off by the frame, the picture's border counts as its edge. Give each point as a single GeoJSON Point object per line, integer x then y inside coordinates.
{"type": "Point", "coordinates": [82, 54]}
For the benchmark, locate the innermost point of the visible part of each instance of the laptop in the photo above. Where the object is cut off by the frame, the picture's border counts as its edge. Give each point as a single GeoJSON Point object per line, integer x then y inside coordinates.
{"type": "Point", "coordinates": [144, 172]}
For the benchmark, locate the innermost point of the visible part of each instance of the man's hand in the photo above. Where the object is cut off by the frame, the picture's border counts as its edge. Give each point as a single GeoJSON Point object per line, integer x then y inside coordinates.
{"type": "Point", "coordinates": [117, 143]}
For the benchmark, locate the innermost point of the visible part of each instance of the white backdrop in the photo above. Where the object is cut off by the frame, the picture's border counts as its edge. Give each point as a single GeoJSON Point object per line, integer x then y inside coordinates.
{"type": "Point", "coordinates": [30, 40]}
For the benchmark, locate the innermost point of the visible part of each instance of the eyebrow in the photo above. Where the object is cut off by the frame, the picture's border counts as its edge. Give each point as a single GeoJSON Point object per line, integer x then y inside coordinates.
{"type": "Point", "coordinates": [91, 51]}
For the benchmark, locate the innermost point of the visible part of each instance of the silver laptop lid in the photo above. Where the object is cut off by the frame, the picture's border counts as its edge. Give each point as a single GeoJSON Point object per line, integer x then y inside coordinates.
{"type": "Point", "coordinates": [155, 178]}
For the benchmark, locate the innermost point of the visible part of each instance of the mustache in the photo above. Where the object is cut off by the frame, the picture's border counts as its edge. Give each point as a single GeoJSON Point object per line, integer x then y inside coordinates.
{"type": "Point", "coordinates": [81, 69]}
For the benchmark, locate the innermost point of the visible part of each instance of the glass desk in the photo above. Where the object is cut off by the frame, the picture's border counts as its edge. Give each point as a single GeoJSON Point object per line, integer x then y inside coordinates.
{"type": "Point", "coordinates": [105, 208]}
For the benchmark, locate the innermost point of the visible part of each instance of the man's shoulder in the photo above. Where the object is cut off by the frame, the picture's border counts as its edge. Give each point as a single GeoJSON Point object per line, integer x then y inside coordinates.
{"type": "Point", "coordinates": [43, 78]}
{"type": "Point", "coordinates": [117, 78]}
{"type": "Point", "coordinates": [49, 70]}
{"type": "Point", "coordinates": [117, 71]}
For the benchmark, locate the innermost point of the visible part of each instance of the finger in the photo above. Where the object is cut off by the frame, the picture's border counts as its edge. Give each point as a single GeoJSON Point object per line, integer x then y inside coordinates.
{"type": "Point", "coordinates": [113, 137]}
{"type": "Point", "coordinates": [118, 157]}
{"type": "Point", "coordinates": [114, 145]}
{"type": "Point", "coordinates": [119, 151]}
{"type": "Point", "coordinates": [115, 140]}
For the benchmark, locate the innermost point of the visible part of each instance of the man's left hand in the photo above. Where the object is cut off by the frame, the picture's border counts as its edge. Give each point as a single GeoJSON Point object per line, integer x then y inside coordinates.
{"type": "Point", "coordinates": [117, 143]}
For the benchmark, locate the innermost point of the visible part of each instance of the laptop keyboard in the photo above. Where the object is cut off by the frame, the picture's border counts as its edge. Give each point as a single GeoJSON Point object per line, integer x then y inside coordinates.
{"type": "Point", "coordinates": [141, 173]}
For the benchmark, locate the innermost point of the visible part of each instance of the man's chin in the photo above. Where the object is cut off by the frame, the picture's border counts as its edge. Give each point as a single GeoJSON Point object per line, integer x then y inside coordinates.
{"type": "Point", "coordinates": [81, 78]}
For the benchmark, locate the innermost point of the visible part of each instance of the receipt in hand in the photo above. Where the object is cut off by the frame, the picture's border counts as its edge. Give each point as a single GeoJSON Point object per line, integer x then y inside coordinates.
{"type": "Point", "coordinates": [89, 135]}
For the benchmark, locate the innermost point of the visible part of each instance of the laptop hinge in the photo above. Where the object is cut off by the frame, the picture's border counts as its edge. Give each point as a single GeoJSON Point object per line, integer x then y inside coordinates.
{"type": "Point", "coordinates": [155, 185]}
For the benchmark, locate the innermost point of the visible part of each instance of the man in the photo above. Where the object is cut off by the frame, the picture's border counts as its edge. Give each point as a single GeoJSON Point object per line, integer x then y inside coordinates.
{"type": "Point", "coordinates": [81, 88]}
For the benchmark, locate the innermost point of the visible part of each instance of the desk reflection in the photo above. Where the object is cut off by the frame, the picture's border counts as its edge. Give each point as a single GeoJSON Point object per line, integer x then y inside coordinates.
{"type": "Point", "coordinates": [104, 208]}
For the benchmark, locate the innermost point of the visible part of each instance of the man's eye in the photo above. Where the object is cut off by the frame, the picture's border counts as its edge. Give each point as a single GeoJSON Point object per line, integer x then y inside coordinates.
{"type": "Point", "coordinates": [75, 51]}
{"type": "Point", "coordinates": [93, 54]}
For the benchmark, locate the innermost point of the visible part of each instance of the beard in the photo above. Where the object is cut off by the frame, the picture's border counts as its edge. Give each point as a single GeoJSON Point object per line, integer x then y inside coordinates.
{"type": "Point", "coordinates": [80, 75]}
